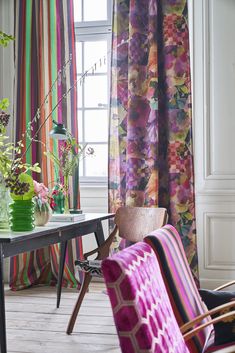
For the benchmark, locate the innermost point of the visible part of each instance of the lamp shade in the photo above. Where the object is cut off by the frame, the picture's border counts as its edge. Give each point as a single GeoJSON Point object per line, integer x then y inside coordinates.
{"type": "Point", "coordinates": [58, 132]}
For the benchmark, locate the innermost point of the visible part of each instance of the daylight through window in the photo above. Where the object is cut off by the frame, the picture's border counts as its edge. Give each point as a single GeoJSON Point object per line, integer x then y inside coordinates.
{"type": "Point", "coordinates": [93, 30]}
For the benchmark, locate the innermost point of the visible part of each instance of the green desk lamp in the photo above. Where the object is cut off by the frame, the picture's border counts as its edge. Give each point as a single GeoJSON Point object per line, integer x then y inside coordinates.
{"type": "Point", "coordinates": [59, 132]}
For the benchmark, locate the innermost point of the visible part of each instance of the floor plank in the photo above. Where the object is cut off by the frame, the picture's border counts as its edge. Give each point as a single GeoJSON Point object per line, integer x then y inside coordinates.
{"type": "Point", "coordinates": [34, 325]}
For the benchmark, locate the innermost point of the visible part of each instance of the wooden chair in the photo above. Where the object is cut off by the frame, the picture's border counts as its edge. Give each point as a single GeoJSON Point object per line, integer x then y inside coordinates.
{"type": "Point", "coordinates": [185, 299]}
{"type": "Point", "coordinates": [142, 311]}
{"type": "Point", "coordinates": [132, 224]}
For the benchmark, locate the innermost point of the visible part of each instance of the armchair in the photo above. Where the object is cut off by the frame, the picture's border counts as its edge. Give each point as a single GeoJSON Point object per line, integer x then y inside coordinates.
{"type": "Point", "coordinates": [143, 315]}
{"type": "Point", "coordinates": [183, 294]}
{"type": "Point", "coordinates": [132, 224]}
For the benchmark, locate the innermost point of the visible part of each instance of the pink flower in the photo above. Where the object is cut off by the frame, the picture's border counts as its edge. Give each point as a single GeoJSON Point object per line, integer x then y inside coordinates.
{"type": "Point", "coordinates": [41, 191]}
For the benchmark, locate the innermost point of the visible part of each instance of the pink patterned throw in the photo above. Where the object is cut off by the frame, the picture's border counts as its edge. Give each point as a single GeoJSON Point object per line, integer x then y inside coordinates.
{"type": "Point", "coordinates": [142, 311]}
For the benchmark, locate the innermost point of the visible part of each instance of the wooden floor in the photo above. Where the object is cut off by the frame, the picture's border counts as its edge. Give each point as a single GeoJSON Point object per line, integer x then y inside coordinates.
{"type": "Point", "coordinates": [34, 325]}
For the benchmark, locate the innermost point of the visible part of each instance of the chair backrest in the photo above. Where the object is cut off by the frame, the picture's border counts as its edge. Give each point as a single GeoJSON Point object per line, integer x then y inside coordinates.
{"type": "Point", "coordinates": [182, 291]}
{"type": "Point", "coordinates": [136, 222]}
{"type": "Point", "coordinates": [142, 312]}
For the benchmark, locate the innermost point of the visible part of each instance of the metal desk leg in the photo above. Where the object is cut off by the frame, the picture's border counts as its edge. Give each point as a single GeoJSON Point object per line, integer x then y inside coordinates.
{"type": "Point", "coordinates": [63, 248]}
{"type": "Point", "coordinates": [3, 340]}
{"type": "Point", "coordinates": [99, 234]}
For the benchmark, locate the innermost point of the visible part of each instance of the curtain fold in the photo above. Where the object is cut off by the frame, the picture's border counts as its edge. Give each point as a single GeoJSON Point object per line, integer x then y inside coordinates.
{"type": "Point", "coordinates": [150, 144]}
{"type": "Point", "coordinates": [44, 42]}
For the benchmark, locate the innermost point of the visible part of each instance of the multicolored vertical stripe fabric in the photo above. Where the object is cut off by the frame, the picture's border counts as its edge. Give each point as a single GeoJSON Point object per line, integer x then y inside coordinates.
{"type": "Point", "coordinates": [44, 42]}
{"type": "Point", "coordinates": [182, 291]}
{"type": "Point", "coordinates": [150, 154]}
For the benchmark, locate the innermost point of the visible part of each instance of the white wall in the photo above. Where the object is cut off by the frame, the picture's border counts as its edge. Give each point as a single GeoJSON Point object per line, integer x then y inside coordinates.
{"type": "Point", "coordinates": [214, 115]}
{"type": "Point", "coordinates": [7, 72]}
{"type": "Point", "coordinates": [94, 199]}
{"type": "Point", "coordinates": [7, 56]}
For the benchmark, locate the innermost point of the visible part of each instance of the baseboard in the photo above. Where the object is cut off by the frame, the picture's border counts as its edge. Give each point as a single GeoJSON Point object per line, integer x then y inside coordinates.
{"type": "Point", "coordinates": [98, 279]}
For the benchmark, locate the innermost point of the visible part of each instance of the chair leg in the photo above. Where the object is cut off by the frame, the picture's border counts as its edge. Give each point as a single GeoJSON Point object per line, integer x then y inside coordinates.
{"type": "Point", "coordinates": [83, 290]}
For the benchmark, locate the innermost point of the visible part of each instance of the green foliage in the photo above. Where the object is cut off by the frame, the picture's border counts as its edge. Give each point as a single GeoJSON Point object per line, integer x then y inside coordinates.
{"type": "Point", "coordinates": [4, 104]}
{"type": "Point", "coordinates": [25, 178]}
{"type": "Point", "coordinates": [5, 39]}
{"type": "Point", "coordinates": [70, 154]}
{"type": "Point", "coordinates": [12, 168]}
{"type": "Point", "coordinates": [10, 157]}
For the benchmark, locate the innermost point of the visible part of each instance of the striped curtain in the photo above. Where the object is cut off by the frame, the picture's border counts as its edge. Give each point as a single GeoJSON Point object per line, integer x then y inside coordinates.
{"type": "Point", "coordinates": [44, 42]}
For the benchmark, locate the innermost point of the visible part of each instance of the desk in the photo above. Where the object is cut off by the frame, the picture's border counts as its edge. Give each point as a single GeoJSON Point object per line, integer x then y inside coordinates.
{"type": "Point", "coordinates": [14, 243]}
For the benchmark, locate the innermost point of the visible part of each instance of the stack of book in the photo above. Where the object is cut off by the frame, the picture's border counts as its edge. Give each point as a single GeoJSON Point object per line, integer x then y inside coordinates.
{"type": "Point", "coordinates": [64, 217]}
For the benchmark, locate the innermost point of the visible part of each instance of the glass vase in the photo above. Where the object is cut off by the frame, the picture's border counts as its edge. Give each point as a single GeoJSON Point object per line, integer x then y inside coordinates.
{"type": "Point", "coordinates": [22, 215]}
{"type": "Point", "coordinates": [66, 196]}
{"type": "Point", "coordinates": [42, 214]}
{"type": "Point", "coordinates": [4, 206]}
{"type": "Point", "coordinates": [58, 197]}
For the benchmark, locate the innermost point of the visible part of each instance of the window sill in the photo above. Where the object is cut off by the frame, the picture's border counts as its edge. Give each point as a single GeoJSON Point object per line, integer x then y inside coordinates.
{"type": "Point", "coordinates": [93, 184]}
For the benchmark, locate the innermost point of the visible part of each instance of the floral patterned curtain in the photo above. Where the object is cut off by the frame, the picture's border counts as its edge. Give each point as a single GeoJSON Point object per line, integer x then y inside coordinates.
{"type": "Point", "coordinates": [44, 42]}
{"type": "Point", "coordinates": [151, 159]}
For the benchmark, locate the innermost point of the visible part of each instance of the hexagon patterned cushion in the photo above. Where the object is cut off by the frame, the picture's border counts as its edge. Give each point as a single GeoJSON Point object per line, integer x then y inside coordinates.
{"type": "Point", "coordinates": [142, 311]}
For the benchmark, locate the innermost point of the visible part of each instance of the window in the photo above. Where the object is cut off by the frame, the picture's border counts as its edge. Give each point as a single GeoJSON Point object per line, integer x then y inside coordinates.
{"type": "Point", "coordinates": [93, 28]}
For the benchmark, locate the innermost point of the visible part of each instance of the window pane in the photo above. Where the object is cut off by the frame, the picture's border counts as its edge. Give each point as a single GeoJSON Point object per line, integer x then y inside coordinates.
{"type": "Point", "coordinates": [96, 125]}
{"type": "Point", "coordinates": [77, 5]}
{"type": "Point", "coordinates": [95, 91]}
{"type": "Point", "coordinates": [97, 164]}
{"type": "Point", "coordinates": [94, 53]}
{"type": "Point", "coordinates": [95, 10]}
{"type": "Point", "coordinates": [81, 169]}
{"type": "Point", "coordinates": [79, 57]}
{"type": "Point", "coordinates": [80, 131]}
{"type": "Point", "coordinates": [79, 93]}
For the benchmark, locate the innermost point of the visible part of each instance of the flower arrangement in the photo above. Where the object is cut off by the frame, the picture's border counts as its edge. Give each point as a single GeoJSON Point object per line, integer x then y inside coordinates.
{"type": "Point", "coordinates": [70, 154]}
{"type": "Point", "coordinates": [42, 202]}
{"type": "Point", "coordinates": [12, 169]}
{"type": "Point", "coordinates": [41, 193]}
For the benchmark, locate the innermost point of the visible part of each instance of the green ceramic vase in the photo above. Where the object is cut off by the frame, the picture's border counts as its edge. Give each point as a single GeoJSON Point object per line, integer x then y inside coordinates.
{"type": "Point", "coordinates": [22, 215]}
{"type": "Point", "coordinates": [58, 197]}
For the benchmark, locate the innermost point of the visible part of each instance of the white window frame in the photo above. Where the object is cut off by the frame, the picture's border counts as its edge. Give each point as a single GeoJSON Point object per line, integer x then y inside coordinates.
{"type": "Point", "coordinates": [96, 30]}
{"type": "Point", "coordinates": [103, 24]}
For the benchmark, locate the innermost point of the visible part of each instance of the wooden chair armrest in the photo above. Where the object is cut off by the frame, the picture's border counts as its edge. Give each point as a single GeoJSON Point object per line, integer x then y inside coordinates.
{"type": "Point", "coordinates": [225, 285]}
{"type": "Point", "coordinates": [92, 252]}
{"type": "Point", "coordinates": [192, 333]}
{"type": "Point", "coordinates": [103, 250]}
{"type": "Point", "coordinates": [211, 312]}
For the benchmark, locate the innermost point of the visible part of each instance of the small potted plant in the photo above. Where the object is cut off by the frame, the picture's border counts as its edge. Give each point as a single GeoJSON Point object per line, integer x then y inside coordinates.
{"type": "Point", "coordinates": [14, 177]}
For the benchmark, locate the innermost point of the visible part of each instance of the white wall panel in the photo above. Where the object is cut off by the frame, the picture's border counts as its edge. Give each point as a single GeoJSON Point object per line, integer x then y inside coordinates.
{"type": "Point", "coordinates": [219, 242]}
{"type": "Point", "coordinates": [214, 118]}
{"type": "Point", "coordinates": [221, 91]}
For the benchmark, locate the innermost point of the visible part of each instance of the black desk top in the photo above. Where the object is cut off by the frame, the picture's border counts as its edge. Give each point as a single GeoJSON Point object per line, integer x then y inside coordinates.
{"type": "Point", "coordinates": [52, 227]}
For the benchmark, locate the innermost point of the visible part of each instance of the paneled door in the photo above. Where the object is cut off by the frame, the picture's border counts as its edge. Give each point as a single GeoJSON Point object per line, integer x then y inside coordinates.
{"type": "Point", "coordinates": [213, 61]}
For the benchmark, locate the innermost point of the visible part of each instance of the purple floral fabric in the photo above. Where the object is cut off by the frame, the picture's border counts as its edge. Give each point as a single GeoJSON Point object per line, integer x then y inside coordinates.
{"type": "Point", "coordinates": [151, 161]}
